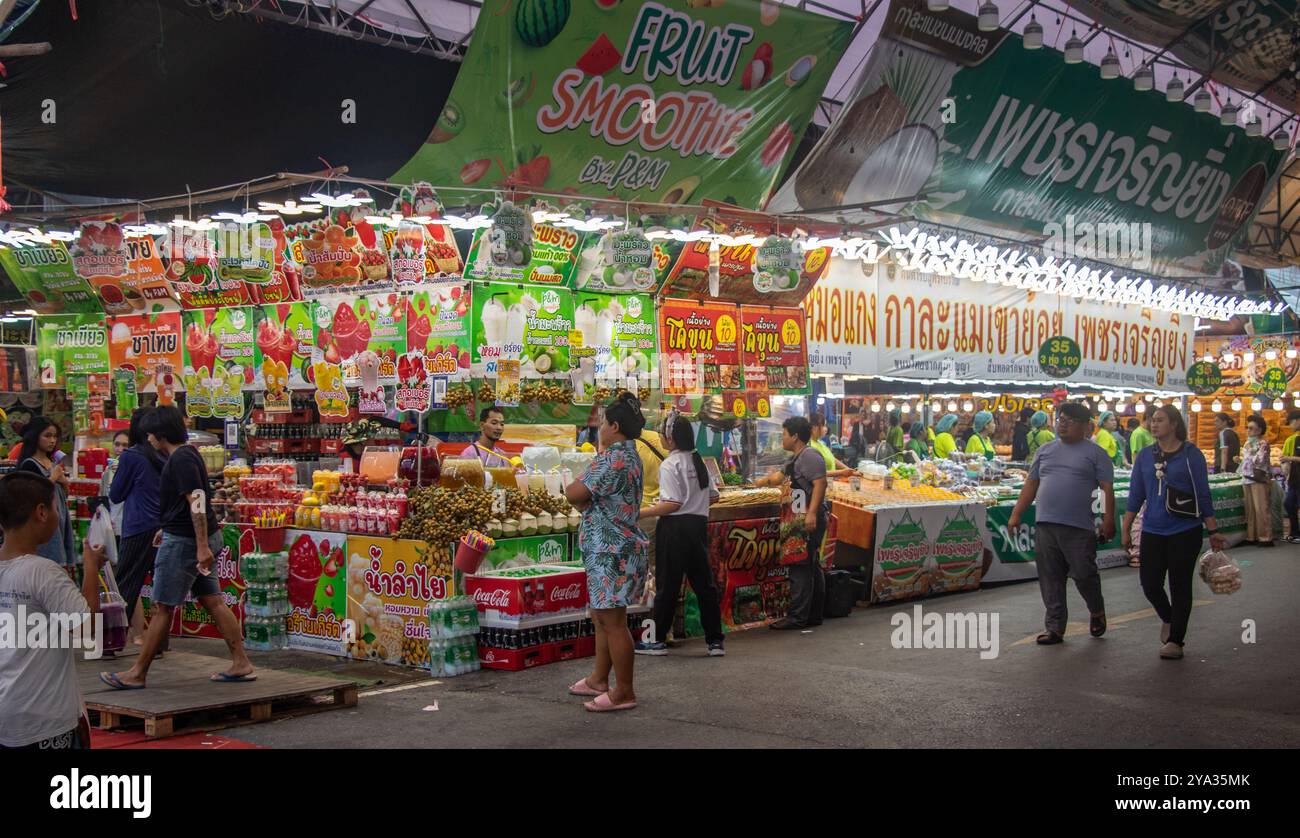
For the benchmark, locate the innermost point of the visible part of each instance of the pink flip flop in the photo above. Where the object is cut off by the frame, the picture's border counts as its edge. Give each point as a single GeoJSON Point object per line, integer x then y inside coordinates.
{"type": "Point", "coordinates": [603, 704]}
{"type": "Point", "coordinates": [582, 689]}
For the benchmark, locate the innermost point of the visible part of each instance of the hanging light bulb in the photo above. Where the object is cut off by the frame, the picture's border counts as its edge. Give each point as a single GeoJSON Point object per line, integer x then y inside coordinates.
{"type": "Point", "coordinates": [1174, 90]}
{"type": "Point", "coordinates": [1217, 406]}
{"type": "Point", "coordinates": [1140, 407]}
{"type": "Point", "coordinates": [1281, 142]}
{"type": "Point", "coordinates": [1229, 359]}
{"type": "Point", "coordinates": [1228, 114]}
{"type": "Point", "coordinates": [1254, 128]}
{"type": "Point", "coordinates": [875, 407]}
{"type": "Point", "coordinates": [1256, 405]}
{"type": "Point", "coordinates": [1201, 101]}
{"type": "Point", "coordinates": [1297, 403]}
{"type": "Point", "coordinates": [989, 15]}
{"type": "Point", "coordinates": [907, 407]}
{"type": "Point", "coordinates": [1277, 404]}
{"type": "Point", "coordinates": [890, 406]}
{"type": "Point", "coordinates": [1160, 403]}
{"type": "Point", "coordinates": [937, 5]}
{"type": "Point", "coordinates": [968, 406]}
{"type": "Point", "coordinates": [1033, 34]}
{"type": "Point", "coordinates": [952, 407]}
{"type": "Point", "coordinates": [1196, 406]}
{"type": "Point", "coordinates": [1149, 397]}
{"type": "Point", "coordinates": [1103, 407]}
{"type": "Point", "coordinates": [1144, 79]}
{"type": "Point", "coordinates": [1074, 49]}
{"type": "Point", "coordinates": [1248, 358]}
{"type": "Point", "coordinates": [1209, 359]}
{"type": "Point", "coordinates": [1236, 404]}
{"type": "Point", "coordinates": [1110, 65]}
{"type": "Point", "coordinates": [1270, 355]}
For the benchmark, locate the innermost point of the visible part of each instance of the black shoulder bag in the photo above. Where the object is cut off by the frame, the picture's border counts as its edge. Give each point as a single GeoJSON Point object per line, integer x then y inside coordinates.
{"type": "Point", "coordinates": [1178, 503]}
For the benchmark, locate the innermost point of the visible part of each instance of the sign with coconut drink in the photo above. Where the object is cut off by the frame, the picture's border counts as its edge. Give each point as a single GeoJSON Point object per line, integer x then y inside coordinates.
{"type": "Point", "coordinates": [969, 128]}
{"type": "Point", "coordinates": [516, 249]}
{"type": "Point", "coordinates": [527, 324]}
{"type": "Point", "coordinates": [628, 99]}
{"type": "Point", "coordinates": [618, 343]}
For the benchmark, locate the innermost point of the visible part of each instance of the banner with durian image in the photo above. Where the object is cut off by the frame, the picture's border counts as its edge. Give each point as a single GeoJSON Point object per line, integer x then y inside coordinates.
{"type": "Point", "coordinates": [664, 102]}
{"type": "Point", "coordinates": [969, 128]}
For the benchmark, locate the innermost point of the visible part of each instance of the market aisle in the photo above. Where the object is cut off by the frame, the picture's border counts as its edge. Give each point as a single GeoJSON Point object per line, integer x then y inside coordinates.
{"type": "Point", "coordinates": [846, 686]}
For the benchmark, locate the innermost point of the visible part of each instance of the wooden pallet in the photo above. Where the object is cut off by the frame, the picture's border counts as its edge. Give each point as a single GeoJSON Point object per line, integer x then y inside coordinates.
{"type": "Point", "coordinates": [180, 688]}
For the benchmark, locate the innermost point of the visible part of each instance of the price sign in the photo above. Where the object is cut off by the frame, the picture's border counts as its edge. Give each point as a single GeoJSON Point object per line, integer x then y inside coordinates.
{"type": "Point", "coordinates": [1059, 357]}
{"type": "Point", "coordinates": [1204, 378]}
{"type": "Point", "coordinates": [738, 408]}
{"type": "Point", "coordinates": [764, 408]}
{"type": "Point", "coordinates": [726, 329]}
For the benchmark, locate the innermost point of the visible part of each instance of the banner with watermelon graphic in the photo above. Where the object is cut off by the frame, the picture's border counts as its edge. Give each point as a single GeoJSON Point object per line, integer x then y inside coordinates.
{"type": "Point", "coordinates": [438, 328]}
{"type": "Point", "coordinates": [285, 333]}
{"type": "Point", "coordinates": [632, 99]}
{"type": "Point", "coordinates": [348, 328]}
{"type": "Point", "coordinates": [318, 594]}
{"type": "Point", "coordinates": [192, 269]}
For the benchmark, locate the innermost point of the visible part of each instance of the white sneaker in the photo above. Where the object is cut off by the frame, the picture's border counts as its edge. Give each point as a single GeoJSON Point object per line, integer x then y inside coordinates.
{"type": "Point", "coordinates": [1171, 651]}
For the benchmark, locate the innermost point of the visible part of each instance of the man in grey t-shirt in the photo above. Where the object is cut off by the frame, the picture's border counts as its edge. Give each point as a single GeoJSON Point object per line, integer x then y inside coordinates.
{"type": "Point", "coordinates": [806, 472]}
{"type": "Point", "coordinates": [1064, 474]}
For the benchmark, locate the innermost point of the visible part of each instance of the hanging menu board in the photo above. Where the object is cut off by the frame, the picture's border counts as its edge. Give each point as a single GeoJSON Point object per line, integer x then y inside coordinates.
{"type": "Point", "coordinates": [773, 350]}
{"type": "Point", "coordinates": [698, 346]}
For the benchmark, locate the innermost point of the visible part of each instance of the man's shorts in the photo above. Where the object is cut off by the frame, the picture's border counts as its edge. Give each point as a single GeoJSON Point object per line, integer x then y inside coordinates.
{"type": "Point", "coordinates": [176, 570]}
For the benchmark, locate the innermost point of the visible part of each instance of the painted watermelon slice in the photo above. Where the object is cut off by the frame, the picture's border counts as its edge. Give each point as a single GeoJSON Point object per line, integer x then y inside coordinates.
{"type": "Point", "coordinates": [601, 57]}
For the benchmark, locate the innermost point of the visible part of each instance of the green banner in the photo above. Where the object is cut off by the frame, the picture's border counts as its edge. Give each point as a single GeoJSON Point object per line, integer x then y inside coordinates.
{"type": "Point", "coordinates": [70, 344]}
{"type": "Point", "coordinates": [551, 97]}
{"type": "Point", "coordinates": [984, 133]}
{"type": "Point", "coordinates": [46, 278]}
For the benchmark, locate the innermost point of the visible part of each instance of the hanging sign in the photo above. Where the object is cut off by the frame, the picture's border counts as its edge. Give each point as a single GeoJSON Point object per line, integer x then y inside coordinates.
{"type": "Point", "coordinates": [1059, 357]}
{"type": "Point", "coordinates": [1204, 378]}
{"type": "Point", "coordinates": [413, 390]}
{"type": "Point", "coordinates": [275, 378]}
{"type": "Point", "coordinates": [777, 263]}
{"type": "Point", "coordinates": [46, 277]}
{"type": "Point", "coordinates": [140, 342]}
{"type": "Point", "coordinates": [507, 389]}
{"type": "Point", "coordinates": [192, 269]}
{"type": "Point", "coordinates": [286, 334]}
{"type": "Point", "coordinates": [772, 349]}
{"type": "Point", "coordinates": [125, 399]}
{"type": "Point", "coordinates": [438, 329]}
{"type": "Point", "coordinates": [698, 346]}
{"type": "Point", "coordinates": [331, 396]}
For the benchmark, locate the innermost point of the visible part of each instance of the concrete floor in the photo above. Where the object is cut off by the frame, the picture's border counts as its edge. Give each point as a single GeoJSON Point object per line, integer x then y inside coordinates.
{"type": "Point", "coordinates": [844, 685]}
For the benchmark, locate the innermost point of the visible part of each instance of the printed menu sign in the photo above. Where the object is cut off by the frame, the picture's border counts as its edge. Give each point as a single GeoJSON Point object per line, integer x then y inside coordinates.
{"type": "Point", "coordinates": [139, 343]}
{"type": "Point", "coordinates": [698, 345]}
{"type": "Point", "coordinates": [773, 350]}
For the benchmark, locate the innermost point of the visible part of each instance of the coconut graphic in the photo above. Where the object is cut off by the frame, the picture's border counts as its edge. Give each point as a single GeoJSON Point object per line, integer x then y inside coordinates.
{"type": "Point", "coordinates": [824, 180]}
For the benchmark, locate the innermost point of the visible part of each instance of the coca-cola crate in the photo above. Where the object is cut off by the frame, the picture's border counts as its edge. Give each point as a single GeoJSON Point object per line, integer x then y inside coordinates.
{"type": "Point", "coordinates": [302, 446]}
{"type": "Point", "coordinates": [516, 660]}
{"type": "Point", "coordinates": [268, 446]}
{"type": "Point", "coordinates": [513, 595]}
{"type": "Point", "coordinates": [331, 446]}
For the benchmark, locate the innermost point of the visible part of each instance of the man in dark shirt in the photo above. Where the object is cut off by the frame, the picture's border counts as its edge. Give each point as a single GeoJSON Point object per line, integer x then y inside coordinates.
{"type": "Point", "coordinates": [188, 545]}
{"type": "Point", "coordinates": [1020, 437]}
{"type": "Point", "coordinates": [1227, 445]}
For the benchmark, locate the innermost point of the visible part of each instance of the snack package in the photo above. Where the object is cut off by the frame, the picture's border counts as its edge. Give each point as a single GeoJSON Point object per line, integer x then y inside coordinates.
{"type": "Point", "coordinates": [1221, 572]}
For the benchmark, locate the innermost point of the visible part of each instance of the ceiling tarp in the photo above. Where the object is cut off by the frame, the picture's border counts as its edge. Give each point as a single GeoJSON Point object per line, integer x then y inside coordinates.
{"type": "Point", "coordinates": [1013, 142]}
{"type": "Point", "coordinates": [142, 98]}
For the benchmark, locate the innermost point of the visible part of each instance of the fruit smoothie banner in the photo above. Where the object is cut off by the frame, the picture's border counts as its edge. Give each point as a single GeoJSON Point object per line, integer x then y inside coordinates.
{"type": "Point", "coordinates": [347, 328]}
{"type": "Point", "coordinates": [773, 350]}
{"type": "Point", "coordinates": [285, 333]}
{"type": "Point", "coordinates": [391, 582]}
{"type": "Point", "coordinates": [47, 280]}
{"type": "Point", "coordinates": [127, 273]}
{"type": "Point", "coordinates": [221, 341]}
{"type": "Point", "coordinates": [550, 258]}
{"type": "Point", "coordinates": [618, 342]}
{"type": "Point", "coordinates": [529, 324]}
{"type": "Point", "coordinates": [141, 342]}
{"type": "Point", "coordinates": [739, 276]}
{"type": "Point", "coordinates": [438, 325]}
{"type": "Point", "coordinates": [441, 253]}
{"type": "Point", "coordinates": [632, 99]}
{"type": "Point", "coordinates": [70, 344]}
{"type": "Point", "coordinates": [698, 346]}
{"type": "Point", "coordinates": [193, 620]}
{"type": "Point", "coordinates": [192, 269]}
{"type": "Point", "coordinates": [258, 255]}
{"type": "Point", "coordinates": [340, 253]}
{"type": "Point", "coordinates": [318, 592]}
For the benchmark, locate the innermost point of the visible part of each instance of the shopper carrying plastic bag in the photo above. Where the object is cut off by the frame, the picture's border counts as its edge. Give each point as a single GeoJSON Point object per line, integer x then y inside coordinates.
{"type": "Point", "coordinates": [1171, 478]}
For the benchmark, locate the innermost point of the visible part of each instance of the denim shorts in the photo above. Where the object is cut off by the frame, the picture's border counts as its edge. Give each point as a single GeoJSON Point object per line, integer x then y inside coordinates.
{"type": "Point", "coordinates": [176, 570]}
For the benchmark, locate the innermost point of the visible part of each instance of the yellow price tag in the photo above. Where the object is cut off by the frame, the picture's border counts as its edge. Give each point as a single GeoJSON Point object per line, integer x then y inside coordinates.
{"type": "Point", "coordinates": [726, 329]}
{"type": "Point", "coordinates": [575, 338]}
{"type": "Point", "coordinates": [790, 332]}
{"type": "Point", "coordinates": [738, 408]}
{"type": "Point", "coordinates": [764, 409]}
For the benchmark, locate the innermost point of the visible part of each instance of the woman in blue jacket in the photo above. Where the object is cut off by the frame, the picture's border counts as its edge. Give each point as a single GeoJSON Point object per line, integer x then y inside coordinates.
{"type": "Point", "coordinates": [135, 487]}
{"type": "Point", "coordinates": [1172, 479]}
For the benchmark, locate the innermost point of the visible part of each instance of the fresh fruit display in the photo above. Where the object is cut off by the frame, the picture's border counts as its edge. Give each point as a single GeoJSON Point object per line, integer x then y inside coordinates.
{"type": "Point", "coordinates": [441, 517]}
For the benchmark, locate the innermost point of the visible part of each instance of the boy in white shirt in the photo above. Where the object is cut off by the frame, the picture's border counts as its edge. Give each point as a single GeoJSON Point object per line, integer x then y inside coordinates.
{"type": "Point", "coordinates": [40, 703]}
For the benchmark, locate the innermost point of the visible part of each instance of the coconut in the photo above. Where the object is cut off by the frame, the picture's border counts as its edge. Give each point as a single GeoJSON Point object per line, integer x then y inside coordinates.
{"type": "Point", "coordinates": [824, 178]}
{"type": "Point", "coordinates": [494, 528]}
{"type": "Point", "coordinates": [575, 519]}
{"type": "Point", "coordinates": [509, 528]}
{"type": "Point", "coordinates": [527, 524]}
{"type": "Point", "coordinates": [899, 166]}
{"type": "Point", "coordinates": [544, 523]}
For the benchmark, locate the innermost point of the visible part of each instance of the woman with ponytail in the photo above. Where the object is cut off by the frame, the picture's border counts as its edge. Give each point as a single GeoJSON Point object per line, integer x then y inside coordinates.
{"type": "Point", "coordinates": [685, 492]}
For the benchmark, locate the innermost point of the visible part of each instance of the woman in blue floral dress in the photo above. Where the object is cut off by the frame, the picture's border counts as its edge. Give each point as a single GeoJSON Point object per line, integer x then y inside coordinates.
{"type": "Point", "coordinates": [614, 551]}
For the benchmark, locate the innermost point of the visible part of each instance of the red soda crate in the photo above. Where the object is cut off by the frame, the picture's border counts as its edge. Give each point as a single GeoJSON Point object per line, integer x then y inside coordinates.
{"type": "Point", "coordinates": [512, 596]}
{"type": "Point", "coordinates": [515, 660]}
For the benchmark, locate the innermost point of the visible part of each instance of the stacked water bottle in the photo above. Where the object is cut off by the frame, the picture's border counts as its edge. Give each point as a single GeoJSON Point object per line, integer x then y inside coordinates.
{"type": "Point", "coordinates": [453, 645]}
{"type": "Point", "coordinates": [266, 600]}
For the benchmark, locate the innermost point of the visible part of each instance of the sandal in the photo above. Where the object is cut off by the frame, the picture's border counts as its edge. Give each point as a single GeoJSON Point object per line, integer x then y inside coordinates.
{"type": "Point", "coordinates": [1097, 625]}
{"type": "Point", "coordinates": [582, 689]}
{"type": "Point", "coordinates": [1133, 562]}
{"type": "Point", "coordinates": [604, 704]}
{"type": "Point", "coordinates": [1049, 638]}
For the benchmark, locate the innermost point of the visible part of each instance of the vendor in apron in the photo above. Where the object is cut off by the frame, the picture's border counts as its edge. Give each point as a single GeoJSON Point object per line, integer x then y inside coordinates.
{"type": "Point", "coordinates": [981, 442]}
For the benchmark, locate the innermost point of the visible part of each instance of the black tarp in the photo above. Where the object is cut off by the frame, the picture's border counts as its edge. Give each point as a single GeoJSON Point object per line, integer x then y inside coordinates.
{"type": "Point", "coordinates": [153, 95]}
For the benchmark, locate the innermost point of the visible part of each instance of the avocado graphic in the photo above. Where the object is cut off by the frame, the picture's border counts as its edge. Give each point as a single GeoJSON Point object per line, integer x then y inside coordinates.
{"type": "Point", "coordinates": [681, 191]}
{"type": "Point", "coordinates": [519, 91]}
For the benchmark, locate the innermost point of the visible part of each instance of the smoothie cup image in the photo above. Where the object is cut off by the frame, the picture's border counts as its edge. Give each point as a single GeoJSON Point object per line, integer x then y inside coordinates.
{"type": "Point", "coordinates": [114, 299]}
{"type": "Point", "coordinates": [493, 319]}
{"type": "Point", "coordinates": [305, 570]}
{"type": "Point", "coordinates": [202, 346]}
{"type": "Point", "coordinates": [585, 320]}
{"type": "Point", "coordinates": [345, 330]}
